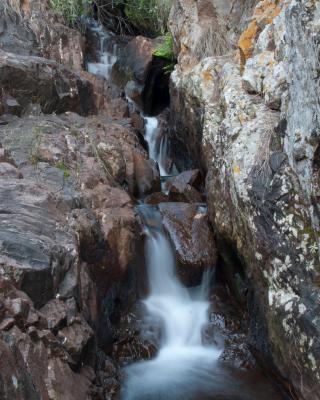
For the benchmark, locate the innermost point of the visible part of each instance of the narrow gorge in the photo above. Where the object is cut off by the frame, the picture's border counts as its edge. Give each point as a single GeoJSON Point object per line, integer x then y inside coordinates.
{"type": "Point", "coordinates": [159, 200]}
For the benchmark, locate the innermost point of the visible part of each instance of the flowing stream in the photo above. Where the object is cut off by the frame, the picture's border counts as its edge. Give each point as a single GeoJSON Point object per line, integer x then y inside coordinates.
{"type": "Point", "coordinates": [107, 55]}
{"type": "Point", "coordinates": [158, 146]}
{"type": "Point", "coordinates": [184, 368]}
{"type": "Point", "coordinates": [183, 364]}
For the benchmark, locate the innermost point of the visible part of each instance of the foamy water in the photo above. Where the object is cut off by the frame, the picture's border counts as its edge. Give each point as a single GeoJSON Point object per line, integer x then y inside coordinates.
{"type": "Point", "coordinates": [183, 364]}
{"type": "Point", "coordinates": [158, 146]}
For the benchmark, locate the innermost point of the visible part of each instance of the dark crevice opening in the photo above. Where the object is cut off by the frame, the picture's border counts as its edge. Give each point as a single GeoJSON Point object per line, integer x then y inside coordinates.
{"type": "Point", "coordinates": [156, 96]}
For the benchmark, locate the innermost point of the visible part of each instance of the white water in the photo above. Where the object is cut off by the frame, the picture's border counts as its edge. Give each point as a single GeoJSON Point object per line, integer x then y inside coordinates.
{"type": "Point", "coordinates": [158, 146]}
{"type": "Point", "coordinates": [106, 58]}
{"type": "Point", "coordinates": [183, 365]}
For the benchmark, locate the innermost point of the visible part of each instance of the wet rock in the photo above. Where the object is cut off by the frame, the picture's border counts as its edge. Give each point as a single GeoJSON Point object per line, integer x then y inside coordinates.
{"type": "Point", "coordinates": [134, 91]}
{"type": "Point", "coordinates": [136, 337]}
{"type": "Point", "coordinates": [188, 228]}
{"type": "Point", "coordinates": [147, 176]}
{"type": "Point", "coordinates": [182, 187]}
{"type": "Point", "coordinates": [156, 198]}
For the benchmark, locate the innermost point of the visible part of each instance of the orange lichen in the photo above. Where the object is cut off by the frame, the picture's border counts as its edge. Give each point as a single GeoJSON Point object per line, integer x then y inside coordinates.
{"type": "Point", "coordinates": [207, 76]}
{"type": "Point", "coordinates": [246, 41]}
{"type": "Point", "coordinates": [263, 15]}
{"type": "Point", "coordinates": [25, 6]}
{"type": "Point", "coordinates": [236, 169]}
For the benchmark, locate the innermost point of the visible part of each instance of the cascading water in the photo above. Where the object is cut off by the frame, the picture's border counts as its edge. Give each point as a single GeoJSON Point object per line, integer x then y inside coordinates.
{"type": "Point", "coordinates": [183, 364]}
{"type": "Point", "coordinates": [107, 53]}
{"type": "Point", "coordinates": [158, 146]}
{"type": "Point", "coordinates": [184, 368]}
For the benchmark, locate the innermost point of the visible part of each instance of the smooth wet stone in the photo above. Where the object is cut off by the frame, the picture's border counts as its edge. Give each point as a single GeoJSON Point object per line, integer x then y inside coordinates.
{"type": "Point", "coordinates": [192, 237]}
{"type": "Point", "coordinates": [147, 176]}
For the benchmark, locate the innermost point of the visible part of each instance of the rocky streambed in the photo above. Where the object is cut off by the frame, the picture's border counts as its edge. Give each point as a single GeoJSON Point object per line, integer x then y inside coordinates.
{"type": "Point", "coordinates": [88, 136]}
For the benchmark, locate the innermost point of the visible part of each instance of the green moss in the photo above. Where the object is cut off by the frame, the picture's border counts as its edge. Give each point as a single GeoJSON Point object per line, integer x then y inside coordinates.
{"type": "Point", "coordinates": [60, 165]}
{"type": "Point", "coordinates": [165, 51]}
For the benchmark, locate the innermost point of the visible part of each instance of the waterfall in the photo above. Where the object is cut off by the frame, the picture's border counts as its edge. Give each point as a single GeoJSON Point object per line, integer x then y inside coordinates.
{"type": "Point", "coordinates": [158, 145]}
{"type": "Point", "coordinates": [183, 364]}
{"type": "Point", "coordinates": [107, 55]}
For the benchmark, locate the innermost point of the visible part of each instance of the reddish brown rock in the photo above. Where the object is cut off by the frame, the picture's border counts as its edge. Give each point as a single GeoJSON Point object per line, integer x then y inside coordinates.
{"type": "Point", "coordinates": [38, 80]}
{"type": "Point", "coordinates": [55, 312]}
{"type": "Point", "coordinates": [147, 176]}
{"type": "Point", "coordinates": [192, 237]}
{"type": "Point", "coordinates": [9, 171]}
{"type": "Point", "coordinates": [75, 337]}
{"type": "Point", "coordinates": [156, 198]}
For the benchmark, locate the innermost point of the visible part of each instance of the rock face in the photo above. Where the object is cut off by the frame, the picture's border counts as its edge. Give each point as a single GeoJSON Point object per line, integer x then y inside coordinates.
{"type": "Point", "coordinates": [68, 241]}
{"type": "Point", "coordinates": [30, 27]}
{"type": "Point", "coordinates": [251, 119]}
{"type": "Point", "coordinates": [142, 74]}
{"type": "Point", "coordinates": [69, 236]}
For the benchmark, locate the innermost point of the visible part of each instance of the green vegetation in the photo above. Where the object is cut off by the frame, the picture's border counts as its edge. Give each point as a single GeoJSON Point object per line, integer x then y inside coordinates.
{"type": "Point", "coordinates": [165, 51]}
{"type": "Point", "coordinates": [60, 165]}
{"type": "Point", "coordinates": [71, 10]}
{"type": "Point", "coordinates": [148, 16]}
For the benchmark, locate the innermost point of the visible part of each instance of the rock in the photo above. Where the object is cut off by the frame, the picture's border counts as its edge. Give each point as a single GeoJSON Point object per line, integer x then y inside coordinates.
{"type": "Point", "coordinates": [147, 176]}
{"type": "Point", "coordinates": [192, 25]}
{"type": "Point", "coordinates": [28, 371]}
{"type": "Point", "coordinates": [9, 171]}
{"type": "Point", "coordinates": [181, 188]}
{"type": "Point", "coordinates": [260, 153]}
{"type": "Point", "coordinates": [68, 91]}
{"type": "Point", "coordinates": [134, 91]}
{"type": "Point", "coordinates": [55, 312]}
{"type": "Point", "coordinates": [263, 15]}
{"type": "Point", "coordinates": [75, 337]}
{"type": "Point", "coordinates": [36, 30]}
{"type": "Point", "coordinates": [138, 57]}
{"type": "Point", "coordinates": [188, 228]}
{"type": "Point", "coordinates": [9, 105]}
{"type": "Point", "coordinates": [113, 160]}
{"type": "Point", "coordinates": [7, 324]}
{"type": "Point", "coordinates": [156, 198]}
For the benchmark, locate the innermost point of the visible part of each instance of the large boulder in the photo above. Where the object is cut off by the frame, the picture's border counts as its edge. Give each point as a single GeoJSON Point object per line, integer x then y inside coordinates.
{"type": "Point", "coordinates": [184, 187]}
{"type": "Point", "coordinates": [57, 89]}
{"type": "Point", "coordinates": [256, 136]}
{"type": "Point", "coordinates": [188, 228]}
{"type": "Point", "coordinates": [147, 176]}
{"type": "Point", "coordinates": [142, 74]}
